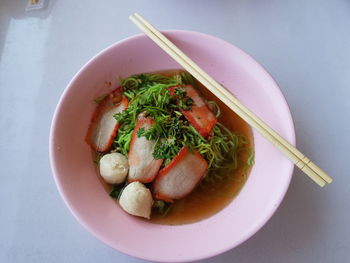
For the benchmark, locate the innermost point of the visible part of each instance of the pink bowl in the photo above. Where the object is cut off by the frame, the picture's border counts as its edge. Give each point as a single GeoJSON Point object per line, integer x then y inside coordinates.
{"type": "Point", "coordinates": [75, 173]}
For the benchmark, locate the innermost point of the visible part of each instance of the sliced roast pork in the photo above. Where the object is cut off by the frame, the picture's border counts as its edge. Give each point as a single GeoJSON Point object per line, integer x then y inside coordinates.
{"type": "Point", "coordinates": [200, 116]}
{"type": "Point", "coordinates": [103, 126]}
{"type": "Point", "coordinates": [180, 176]}
{"type": "Point", "coordinates": [142, 166]}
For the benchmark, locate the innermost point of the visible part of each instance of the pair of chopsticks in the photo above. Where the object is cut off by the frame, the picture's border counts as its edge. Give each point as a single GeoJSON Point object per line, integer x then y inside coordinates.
{"type": "Point", "coordinates": [299, 159]}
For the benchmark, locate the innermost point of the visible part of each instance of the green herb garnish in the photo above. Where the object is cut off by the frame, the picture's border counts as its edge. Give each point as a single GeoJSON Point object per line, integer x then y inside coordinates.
{"type": "Point", "coordinates": [162, 207]}
{"type": "Point", "coordinates": [184, 102]}
{"type": "Point", "coordinates": [149, 94]}
{"type": "Point", "coordinates": [117, 190]}
{"type": "Point", "coordinates": [99, 99]}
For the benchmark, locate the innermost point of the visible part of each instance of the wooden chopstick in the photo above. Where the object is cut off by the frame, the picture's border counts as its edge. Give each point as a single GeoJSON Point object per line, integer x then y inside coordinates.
{"type": "Point", "coordinates": [296, 152]}
{"type": "Point", "coordinates": [299, 159]}
{"type": "Point", "coordinates": [313, 171]}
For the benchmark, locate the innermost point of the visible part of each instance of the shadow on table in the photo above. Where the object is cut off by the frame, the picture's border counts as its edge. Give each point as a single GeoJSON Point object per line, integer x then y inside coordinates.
{"type": "Point", "coordinates": [16, 10]}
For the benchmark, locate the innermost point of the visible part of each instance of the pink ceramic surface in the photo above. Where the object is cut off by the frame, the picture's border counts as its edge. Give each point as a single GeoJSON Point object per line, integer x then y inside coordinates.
{"type": "Point", "coordinates": [75, 173]}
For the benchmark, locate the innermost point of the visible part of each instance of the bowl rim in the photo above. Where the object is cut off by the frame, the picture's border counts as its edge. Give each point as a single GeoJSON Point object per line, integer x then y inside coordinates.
{"type": "Point", "coordinates": [262, 220]}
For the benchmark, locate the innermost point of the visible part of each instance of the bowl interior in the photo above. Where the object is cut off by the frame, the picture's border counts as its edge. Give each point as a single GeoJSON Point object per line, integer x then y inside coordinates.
{"type": "Point", "coordinates": [75, 173]}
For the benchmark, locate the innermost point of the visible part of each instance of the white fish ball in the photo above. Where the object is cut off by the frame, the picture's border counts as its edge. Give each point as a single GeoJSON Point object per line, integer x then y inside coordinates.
{"type": "Point", "coordinates": [114, 168]}
{"type": "Point", "coordinates": [136, 199]}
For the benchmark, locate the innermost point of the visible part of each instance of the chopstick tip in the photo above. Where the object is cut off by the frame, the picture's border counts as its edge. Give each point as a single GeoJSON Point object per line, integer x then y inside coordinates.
{"type": "Point", "coordinates": [322, 184]}
{"type": "Point", "coordinates": [133, 19]}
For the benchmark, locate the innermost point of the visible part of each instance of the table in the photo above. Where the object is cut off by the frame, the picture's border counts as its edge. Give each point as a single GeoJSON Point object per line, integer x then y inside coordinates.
{"type": "Point", "coordinates": [305, 45]}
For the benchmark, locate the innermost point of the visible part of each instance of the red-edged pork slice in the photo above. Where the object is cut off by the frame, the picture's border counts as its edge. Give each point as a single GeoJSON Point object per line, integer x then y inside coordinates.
{"type": "Point", "coordinates": [142, 166]}
{"type": "Point", "coordinates": [103, 127]}
{"type": "Point", "coordinates": [200, 116]}
{"type": "Point", "coordinates": [180, 176]}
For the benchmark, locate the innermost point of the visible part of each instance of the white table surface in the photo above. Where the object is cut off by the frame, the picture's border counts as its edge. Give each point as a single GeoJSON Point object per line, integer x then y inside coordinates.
{"type": "Point", "coordinates": [304, 44]}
